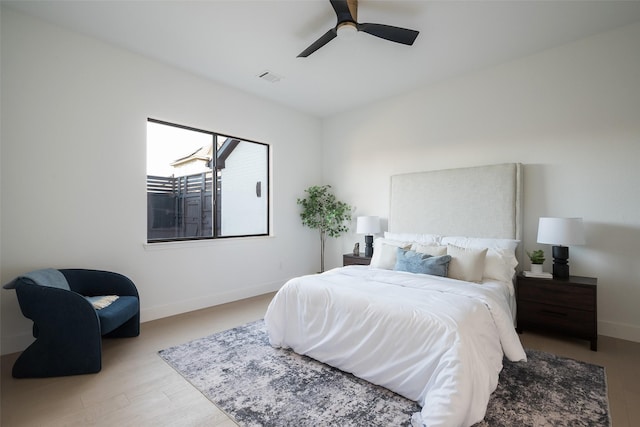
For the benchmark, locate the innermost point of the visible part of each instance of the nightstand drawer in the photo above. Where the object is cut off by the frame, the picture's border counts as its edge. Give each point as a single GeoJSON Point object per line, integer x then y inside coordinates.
{"type": "Point", "coordinates": [560, 295]}
{"type": "Point", "coordinates": [350, 259]}
{"type": "Point", "coordinates": [578, 322]}
{"type": "Point", "coordinates": [359, 261]}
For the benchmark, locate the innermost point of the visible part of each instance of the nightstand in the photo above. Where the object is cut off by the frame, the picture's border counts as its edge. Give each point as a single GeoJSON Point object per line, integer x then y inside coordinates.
{"type": "Point", "coordinates": [351, 259]}
{"type": "Point", "coordinates": [565, 306]}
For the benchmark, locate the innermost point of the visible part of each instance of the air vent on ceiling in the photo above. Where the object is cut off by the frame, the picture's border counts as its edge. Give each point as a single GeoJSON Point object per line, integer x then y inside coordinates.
{"type": "Point", "coordinates": [269, 76]}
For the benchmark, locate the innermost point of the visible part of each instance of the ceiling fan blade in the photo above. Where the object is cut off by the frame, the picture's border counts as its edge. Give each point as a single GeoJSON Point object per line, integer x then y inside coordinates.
{"type": "Point", "coordinates": [388, 32]}
{"type": "Point", "coordinates": [346, 10]}
{"type": "Point", "coordinates": [326, 38]}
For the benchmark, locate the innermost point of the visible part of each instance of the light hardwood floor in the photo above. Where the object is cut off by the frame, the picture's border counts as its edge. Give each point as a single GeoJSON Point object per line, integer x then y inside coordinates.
{"type": "Point", "coordinates": [137, 388]}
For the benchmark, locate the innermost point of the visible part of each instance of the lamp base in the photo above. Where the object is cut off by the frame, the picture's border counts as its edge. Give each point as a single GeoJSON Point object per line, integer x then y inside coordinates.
{"type": "Point", "coordinates": [368, 249]}
{"type": "Point", "coordinates": [560, 262]}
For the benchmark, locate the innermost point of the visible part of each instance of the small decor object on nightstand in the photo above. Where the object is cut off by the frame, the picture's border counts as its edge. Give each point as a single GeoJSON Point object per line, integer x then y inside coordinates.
{"type": "Point", "coordinates": [541, 275]}
{"type": "Point", "coordinates": [356, 249]}
{"type": "Point", "coordinates": [537, 259]}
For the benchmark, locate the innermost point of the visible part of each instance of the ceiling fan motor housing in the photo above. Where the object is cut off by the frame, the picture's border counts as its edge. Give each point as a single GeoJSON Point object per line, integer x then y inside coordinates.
{"type": "Point", "coordinates": [347, 30]}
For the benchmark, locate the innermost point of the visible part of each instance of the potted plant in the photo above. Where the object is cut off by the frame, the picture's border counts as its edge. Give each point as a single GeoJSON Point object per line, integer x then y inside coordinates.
{"type": "Point", "coordinates": [537, 259]}
{"type": "Point", "coordinates": [321, 210]}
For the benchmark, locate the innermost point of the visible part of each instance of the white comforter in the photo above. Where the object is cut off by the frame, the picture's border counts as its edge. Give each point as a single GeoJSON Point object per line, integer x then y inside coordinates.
{"type": "Point", "coordinates": [434, 340]}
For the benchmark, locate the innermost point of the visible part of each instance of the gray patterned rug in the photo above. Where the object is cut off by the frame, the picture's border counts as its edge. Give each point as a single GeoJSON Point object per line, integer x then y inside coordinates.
{"type": "Point", "coordinates": [258, 385]}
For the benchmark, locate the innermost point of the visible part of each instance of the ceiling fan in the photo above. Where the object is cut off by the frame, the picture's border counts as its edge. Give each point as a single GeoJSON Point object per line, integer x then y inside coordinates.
{"type": "Point", "coordinates": [347, 14]}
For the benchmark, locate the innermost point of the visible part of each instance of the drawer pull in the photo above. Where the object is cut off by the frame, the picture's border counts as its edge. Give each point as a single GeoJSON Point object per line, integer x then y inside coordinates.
{"type": "Point", "coordinates": [554, 313]}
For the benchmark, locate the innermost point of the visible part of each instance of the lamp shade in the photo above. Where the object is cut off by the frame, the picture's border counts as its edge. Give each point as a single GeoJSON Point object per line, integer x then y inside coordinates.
{"type": "Point", "coordinates": [368, 225]}
{"type": "Point", "coordinates": [561, 231]}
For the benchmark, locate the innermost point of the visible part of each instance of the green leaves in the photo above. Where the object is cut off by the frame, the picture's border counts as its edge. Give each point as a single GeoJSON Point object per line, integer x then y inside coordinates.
{"type": "Point", "coordinates": [321, 210]}
{"type": "Point", "coordinates": [536, 257]}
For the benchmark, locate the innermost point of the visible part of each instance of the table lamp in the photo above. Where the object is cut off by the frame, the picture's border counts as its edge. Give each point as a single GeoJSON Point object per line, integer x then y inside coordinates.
{"type": "Point", "coordinates": [368, 225]}
{"type": "Point", "coordinates": [561, 233]}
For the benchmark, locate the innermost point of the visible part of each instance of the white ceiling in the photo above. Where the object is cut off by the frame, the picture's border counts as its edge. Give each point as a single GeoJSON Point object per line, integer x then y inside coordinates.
{"type": "Point", "coordinates": [232, 42]}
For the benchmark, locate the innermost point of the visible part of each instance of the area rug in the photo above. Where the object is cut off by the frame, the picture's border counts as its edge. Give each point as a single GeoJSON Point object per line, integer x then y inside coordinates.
{"type": "Point", "coordinates": [258, 385]}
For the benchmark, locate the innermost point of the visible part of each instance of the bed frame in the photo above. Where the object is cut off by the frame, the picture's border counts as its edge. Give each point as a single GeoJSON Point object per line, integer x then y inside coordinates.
{"type": "Point", "coordinates": [484, 201]}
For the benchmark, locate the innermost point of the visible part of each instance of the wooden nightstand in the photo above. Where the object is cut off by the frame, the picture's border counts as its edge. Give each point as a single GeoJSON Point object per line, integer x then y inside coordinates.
{"type": "Point", "coordinates": [564, 306]}
{"type": "Point", "coordinates": [351, 259]}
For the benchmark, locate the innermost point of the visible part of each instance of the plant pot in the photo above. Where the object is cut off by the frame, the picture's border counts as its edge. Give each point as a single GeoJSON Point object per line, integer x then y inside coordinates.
{"type": "Point", "coordinates": [536, 268]}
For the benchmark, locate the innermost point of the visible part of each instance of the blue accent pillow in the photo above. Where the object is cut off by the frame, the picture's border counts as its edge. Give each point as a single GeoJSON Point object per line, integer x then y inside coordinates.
{"type": "Point", "coordinates": [415, 262]}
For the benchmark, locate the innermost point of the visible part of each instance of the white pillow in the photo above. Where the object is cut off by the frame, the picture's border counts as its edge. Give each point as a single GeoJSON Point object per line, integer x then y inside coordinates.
{"type": "Point", "coordinates": [500, 262]}
{"type": "Point", "coordinates": [384, 252]}
{"type": "Point", "coordinates": [466, 263]}
{"type": "Point", "coordinates": [433, 250]}
{"type": "Point", "coordinates": [433, 239]}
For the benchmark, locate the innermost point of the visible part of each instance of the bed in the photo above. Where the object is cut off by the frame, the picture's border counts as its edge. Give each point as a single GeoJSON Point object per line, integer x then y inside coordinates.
{"type": "Point", "coordinates": [432, 326]}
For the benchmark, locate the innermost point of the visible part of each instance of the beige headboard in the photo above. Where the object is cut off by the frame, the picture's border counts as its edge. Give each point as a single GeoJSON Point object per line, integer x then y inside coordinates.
{"type": "Point", "coordinates": [483, 201]}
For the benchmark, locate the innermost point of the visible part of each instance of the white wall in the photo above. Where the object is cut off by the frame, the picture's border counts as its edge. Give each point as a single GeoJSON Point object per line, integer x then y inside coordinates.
{"type": "Point", "coordinates": [73, 153]}
{"type": "Point", "coordinates": [571, 115]}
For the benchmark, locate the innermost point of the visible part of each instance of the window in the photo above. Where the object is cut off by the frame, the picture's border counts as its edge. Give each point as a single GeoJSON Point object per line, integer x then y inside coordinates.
{"type": "Point", "coordinates": [203, 185]}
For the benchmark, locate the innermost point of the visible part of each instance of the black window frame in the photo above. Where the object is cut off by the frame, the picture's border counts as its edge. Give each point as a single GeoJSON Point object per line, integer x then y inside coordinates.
{"type": "Point", "coordinates": [263, 190]}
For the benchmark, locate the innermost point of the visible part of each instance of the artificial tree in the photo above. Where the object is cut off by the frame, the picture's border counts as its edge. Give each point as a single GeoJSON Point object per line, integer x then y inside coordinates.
{"type": "Point", "coordinates": [321, 210]}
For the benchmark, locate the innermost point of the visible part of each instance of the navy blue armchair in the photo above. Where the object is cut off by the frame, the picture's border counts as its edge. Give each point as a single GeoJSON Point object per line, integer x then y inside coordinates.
{"type": "Point", "coordinates": [67, 327]}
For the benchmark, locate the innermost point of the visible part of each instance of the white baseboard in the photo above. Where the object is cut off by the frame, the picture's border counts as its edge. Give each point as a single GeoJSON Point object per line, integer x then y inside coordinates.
{"type": "Point", "coordinates": [622, 331]}
{"type": "Point", "coordinates": [185, 306]}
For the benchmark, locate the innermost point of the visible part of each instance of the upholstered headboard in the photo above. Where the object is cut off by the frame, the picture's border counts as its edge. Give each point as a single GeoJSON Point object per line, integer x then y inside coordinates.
{"type": "Point", "coordinates": [483, 201]}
